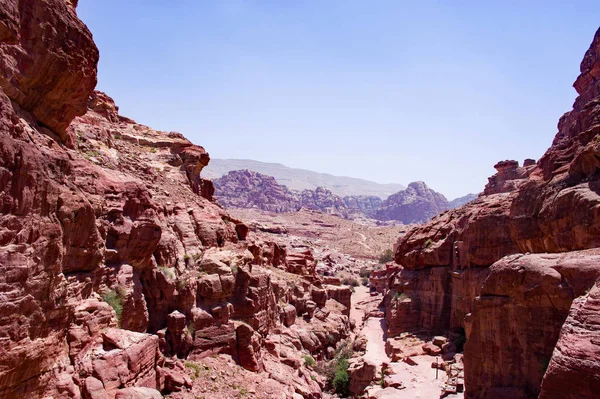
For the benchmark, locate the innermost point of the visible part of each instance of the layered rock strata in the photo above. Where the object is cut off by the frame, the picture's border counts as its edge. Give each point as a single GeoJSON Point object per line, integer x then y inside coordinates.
{"type": "Point", "coordinates": [115, 261]}
{"type": "Point", "coordinates": [515, 270]}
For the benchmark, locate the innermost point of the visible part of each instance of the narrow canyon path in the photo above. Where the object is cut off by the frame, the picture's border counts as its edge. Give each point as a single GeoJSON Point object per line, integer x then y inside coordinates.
{"type": "Point", "coordinates": [373, 328]}
{"type": "Point", "coordinates": [419, 380]}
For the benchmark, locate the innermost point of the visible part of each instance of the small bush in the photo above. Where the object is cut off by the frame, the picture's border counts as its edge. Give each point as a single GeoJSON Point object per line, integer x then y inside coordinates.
{"type": "Point", "coordinates": [351, 281]}
{"type": "Point", "coordinates": [365, 281]}
{"type": "Point", "coordinates": [309, 361]}
{"type": "Point", "coordinates": [386, 256]}
{"type": "Point", "coordinates": [115, 299]}
{"type": "Point", "coordinates": [400, 296]}
{"type": "Point", "coordinates": [194, 367]}
{"type": "Point", "coordinates": [364, 272]}
{"type": "Point", "coordinates": [428, 243]}
{"type": "Point", "coordinates": [186, 258]}
{"type": "Point", "coordinates": [167, 272]}
{"type": "Point", "coordinates": [234, 269]}
{"type": "Point", "coordinates": [341, 379]}
{"type": "Point", "coordinates": [191, 329]}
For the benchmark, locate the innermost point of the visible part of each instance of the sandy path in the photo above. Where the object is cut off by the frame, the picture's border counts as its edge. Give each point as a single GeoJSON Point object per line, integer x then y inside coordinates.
{"type": "Point", "coordinates": [420, 380]}
{"type": "Point", "coordinates": [373, 328]}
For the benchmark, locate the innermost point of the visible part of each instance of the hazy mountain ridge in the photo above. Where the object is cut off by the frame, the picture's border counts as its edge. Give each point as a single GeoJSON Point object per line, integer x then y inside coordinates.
{"type": "Point", "coordinates": [250, 189]}
{"type": "Point", "coordinates": [302, 179]}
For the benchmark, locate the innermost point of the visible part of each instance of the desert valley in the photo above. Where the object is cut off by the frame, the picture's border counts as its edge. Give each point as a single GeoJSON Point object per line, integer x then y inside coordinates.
{"type": "Point", "coordinates": [126, 273]}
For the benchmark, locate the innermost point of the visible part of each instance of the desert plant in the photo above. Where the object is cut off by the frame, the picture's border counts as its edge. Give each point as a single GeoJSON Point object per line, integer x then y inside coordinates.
{"type": "Point", "coordinates": [365, 281]}
{"type": "Point", "coordinates": [115, 299]}
{"type": "Point", "coordinates": [400, 296]}
{"type": "Point", "coordinates": [309, 360]}
{"type": "Point", "coordinates": [194, 368]}
{"type": "Point", "coordinates": [364, 272]}
{"type": "Point", "coordinates": [386, 256]}
{"type": "Point", "coordinates": [351, 281]}
{"type": "Point", "coordinates": [428, 243]}
{"type": "Point", "coordinates": [191, 329]}
{"type": "Point", "coordinates": [186, 258]}
{"type": "Point", "coordinates": [341, 379]}
{"type": "Point", "coordinates": [167, 272]}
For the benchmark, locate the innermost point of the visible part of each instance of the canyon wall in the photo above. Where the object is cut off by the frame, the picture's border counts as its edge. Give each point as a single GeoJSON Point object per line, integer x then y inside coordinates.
{"type": "Point", "coordinates": [115, 261]}
{"type": "Point", "coordinates": [512, 269]}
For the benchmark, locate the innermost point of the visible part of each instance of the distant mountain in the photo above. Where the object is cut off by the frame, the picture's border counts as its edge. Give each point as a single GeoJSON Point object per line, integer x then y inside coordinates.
{"type": "Point", "coordinates": [458, 202]}
{"type": "Point", "coordinates": [417, 204]}
{"type": "Point", "coordinates": [250, 189]}
{"type": "Point", "coordinates": [301, 179]}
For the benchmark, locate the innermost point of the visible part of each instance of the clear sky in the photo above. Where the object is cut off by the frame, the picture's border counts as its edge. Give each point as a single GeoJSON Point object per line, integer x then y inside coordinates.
{"type": "Point", "coordinates": [390, 91]}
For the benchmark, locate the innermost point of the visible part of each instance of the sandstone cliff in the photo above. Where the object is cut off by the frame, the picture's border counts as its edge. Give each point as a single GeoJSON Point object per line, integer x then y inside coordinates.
{"type": "Point", "coordinates": [418, 203]}
{"type": "Point", "coordinates": [516, 269]}
{"type": "Point", "coordinates": [115, 262]}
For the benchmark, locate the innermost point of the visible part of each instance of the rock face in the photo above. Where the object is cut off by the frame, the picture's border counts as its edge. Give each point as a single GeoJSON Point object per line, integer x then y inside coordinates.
{"type": "Point", "coordinates": [418, 203]}
{"type": "Point", "coordinates": [247, 189]}
{"type": "Point", "coordinates": [114, 260]}
{"type": "Point", "coordinates": [366, 205]}
{"type": "Point", "coordinates": [48, 72]}
{"type": "Point", "coordinates": [458, 202]}
{"type": "Point", "coordinates": [511, 269]}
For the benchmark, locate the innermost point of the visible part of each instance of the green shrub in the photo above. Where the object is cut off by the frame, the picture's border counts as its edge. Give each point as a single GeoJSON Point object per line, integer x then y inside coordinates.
{"type": "Point", "coordinates": [428, 243]}
{"type": "Point", "coordinates": [186, 258]}
{"type": "Point", "coordinates": [309, 361]}
{"type": "Point", "coordinates": [351, 281]}
{"type": "Point", "coordinates": [386, 256]}
{"type": "Point", "coordinates": [400, 296]}
{"type": "Point", "coordinates": [341, 379]}
{"type": "Point", "coordinates": [365, 281]}
{"type": "Point", "coordinates": [364, 272]}
{"type": "Point", "coordinates": [194, 367]}
{"type": "Point", "coordinates": [115, 299]}
{"type": "Point", "coordinates": [191, 329]}
{"type": "Point", "coordinates": [167, 272]}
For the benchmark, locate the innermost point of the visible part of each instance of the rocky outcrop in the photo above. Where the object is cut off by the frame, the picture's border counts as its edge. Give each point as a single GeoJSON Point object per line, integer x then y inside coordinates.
{"type": "Point", "coordinates": [418, 203]}
{"type": "Point", "coordinates": [247, 189]}
{"type": "Point", "coordinates": [510, 268]}
{"type": "Point", "coordinates": [114, 261]}
{"type": "Point", "coordinates": [48, 72]}
{"type": "Point", "coordinates": [322, 199]}
{"type": "Point", "coordinates": [460, 201]}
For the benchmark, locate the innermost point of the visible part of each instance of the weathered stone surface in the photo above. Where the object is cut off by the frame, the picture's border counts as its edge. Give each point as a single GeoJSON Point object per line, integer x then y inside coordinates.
{"type": "Point", "coordinates": [466, 265]}
{"type": "Point", "coordinates": [48, 72]}
{"type": "Point", "coordinates": [574, 369]}
{"type": "Point", "coordinates": [361, 373]}
{"type": "Point", "coordinates": [138, 393]}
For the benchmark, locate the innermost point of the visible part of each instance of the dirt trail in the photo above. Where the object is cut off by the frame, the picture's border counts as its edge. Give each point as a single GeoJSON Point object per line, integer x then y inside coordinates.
{"type": "Point", "coordinates": [419, 380]}
{"type": "Point", "coordinates": [373, 328]}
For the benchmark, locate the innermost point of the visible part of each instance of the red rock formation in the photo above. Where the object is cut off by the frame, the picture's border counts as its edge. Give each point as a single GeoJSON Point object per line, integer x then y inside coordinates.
{"type": "Point", "coordinates": [462, 270]}
{"type": "Point", "coordinates": [48, 72]}
{"type": "Point", "coordinates": [418, 203]}
{"type": "Point", "coordinates": [111, 250]}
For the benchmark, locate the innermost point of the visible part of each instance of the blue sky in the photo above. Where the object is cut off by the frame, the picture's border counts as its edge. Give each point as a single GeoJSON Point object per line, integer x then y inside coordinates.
{"type": "Point", "coordinates": [390, 91]}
